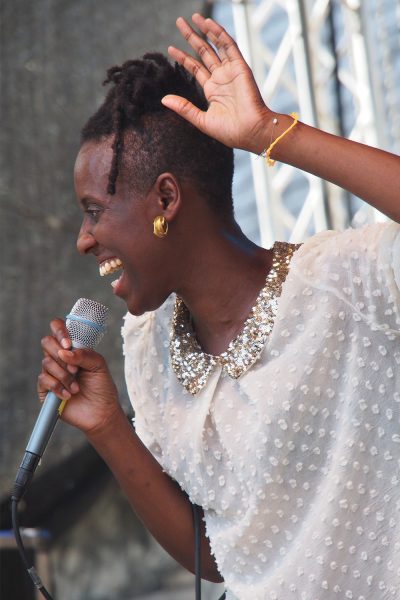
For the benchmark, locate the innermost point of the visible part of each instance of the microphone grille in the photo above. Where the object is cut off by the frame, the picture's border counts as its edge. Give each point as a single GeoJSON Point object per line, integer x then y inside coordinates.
{"type": "Point", "coordinates": [86, 323]}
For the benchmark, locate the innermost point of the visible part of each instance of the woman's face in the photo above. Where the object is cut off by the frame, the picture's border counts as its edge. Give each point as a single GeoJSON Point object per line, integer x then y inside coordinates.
{"type": "Point", "coordinates": [118, 231]}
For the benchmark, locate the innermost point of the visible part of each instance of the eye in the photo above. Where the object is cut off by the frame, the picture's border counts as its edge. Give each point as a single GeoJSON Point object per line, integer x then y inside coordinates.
{"type": "Point", "coordinates": [93, 212]}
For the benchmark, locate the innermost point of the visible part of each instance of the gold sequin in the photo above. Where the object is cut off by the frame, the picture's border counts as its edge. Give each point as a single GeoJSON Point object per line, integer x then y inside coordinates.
{"type": "Point", "coordinates": [193, 367]}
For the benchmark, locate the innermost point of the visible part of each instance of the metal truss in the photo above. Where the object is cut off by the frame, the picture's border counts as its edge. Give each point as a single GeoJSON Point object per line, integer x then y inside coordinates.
{"type": "Point", "coordinates": [319, 57]}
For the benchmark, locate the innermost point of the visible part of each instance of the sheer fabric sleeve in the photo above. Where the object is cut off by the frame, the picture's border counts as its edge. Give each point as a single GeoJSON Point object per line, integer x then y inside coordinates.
{"type": "Point", "coordinates": [361, 267]}
{"type": "Point", "coordinates": [390, 256]}
{"type": "Point", "coordinates": [136, 334]}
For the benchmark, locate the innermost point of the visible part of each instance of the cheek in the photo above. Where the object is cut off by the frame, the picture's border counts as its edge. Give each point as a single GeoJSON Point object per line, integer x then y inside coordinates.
{"type": "Point", "coordinates": [133, 247]}
{"type": "Point", "coordinates": [131, 236]}
{"type": "Point", "coordinates": [146, 260]}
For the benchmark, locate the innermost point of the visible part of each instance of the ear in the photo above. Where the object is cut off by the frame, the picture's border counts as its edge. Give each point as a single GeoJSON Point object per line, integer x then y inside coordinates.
{"type": "Point", "coordinates": [165, 197]}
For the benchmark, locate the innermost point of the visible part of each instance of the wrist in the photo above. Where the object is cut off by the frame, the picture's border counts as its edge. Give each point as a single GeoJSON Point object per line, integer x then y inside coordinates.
{"type": "Point", "coordinates": [269, 129]}
{"type": "Point", "coordinates": [260, 132]}
{"type": "Point", "coordinates": [109, 428]}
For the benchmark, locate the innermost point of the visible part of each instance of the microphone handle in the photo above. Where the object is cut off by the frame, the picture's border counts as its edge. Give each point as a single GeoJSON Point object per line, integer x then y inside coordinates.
{"type": "Point", "coordinates": [44, 427]}
{"type": "Point", "coordinates": [38, 441]}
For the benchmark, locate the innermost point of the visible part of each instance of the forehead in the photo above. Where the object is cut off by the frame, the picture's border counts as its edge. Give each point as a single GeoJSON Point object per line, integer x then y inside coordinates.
{"type": "Point", "coordinates": [93, 163]}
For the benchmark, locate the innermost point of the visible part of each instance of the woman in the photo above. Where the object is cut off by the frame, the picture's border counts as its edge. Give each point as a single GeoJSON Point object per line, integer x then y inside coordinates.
{"type": "Point", "coordinates": [269, 388]}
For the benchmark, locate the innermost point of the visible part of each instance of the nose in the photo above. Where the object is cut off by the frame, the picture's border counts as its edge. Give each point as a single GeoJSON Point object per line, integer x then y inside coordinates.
{"type": "Point", "coordinates": [85, 242]}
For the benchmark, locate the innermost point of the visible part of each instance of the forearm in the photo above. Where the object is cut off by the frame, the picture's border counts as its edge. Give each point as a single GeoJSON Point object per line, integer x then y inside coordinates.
{"type": "Point", "coordinates": [369, 173]}
{"type": "Point", "coordinates": [94, 409]}
{"type": "Point", "coordinates": [154, 496]}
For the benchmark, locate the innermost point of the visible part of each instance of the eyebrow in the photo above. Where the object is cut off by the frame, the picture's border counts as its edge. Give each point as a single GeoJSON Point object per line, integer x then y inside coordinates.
{"type": "Point", "coordinates": [86, 200]}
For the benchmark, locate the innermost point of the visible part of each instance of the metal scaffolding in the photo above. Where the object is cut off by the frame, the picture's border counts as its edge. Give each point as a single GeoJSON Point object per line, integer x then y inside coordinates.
{"type": "Point", "coordinates": [320, 58]}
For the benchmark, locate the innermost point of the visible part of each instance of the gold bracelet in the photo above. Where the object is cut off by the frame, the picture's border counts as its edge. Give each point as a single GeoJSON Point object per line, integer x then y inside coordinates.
{"type": "Point", "coordinates": [267, 153]}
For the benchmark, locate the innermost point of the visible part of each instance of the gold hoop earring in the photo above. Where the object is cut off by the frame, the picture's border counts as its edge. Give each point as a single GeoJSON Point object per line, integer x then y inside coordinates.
{"type": "Point", "coordinates": [160, 226]}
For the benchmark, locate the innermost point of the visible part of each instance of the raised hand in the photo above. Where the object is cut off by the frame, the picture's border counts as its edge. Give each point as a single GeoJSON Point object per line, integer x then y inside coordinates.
{"type": "Point", "coordinates": [81, 378]}
{"type": "Point", "coordinates": [237, 115]}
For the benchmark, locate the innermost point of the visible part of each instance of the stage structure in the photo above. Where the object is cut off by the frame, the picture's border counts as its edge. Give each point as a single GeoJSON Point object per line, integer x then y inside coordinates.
{"type": "Point", "coordinates": [337, 63]}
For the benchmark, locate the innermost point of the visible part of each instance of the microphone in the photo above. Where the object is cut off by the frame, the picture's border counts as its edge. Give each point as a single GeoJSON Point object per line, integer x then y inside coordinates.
{"type": "Point", "coordinates": [86, 325]}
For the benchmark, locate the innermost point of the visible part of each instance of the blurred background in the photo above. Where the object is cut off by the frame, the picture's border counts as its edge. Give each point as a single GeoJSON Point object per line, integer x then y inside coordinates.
{"type": "Point", "coordinates": [335, 62]}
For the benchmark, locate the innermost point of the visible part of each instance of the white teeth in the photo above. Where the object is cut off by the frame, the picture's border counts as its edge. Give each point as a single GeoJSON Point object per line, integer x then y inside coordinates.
{"type": "Point", "coordinates": [110, 266]}
{"type": "Point", "coordinates": [114, 283]}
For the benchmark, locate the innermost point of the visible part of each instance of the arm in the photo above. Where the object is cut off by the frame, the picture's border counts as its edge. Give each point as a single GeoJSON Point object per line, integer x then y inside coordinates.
{"type": "Point", "coordinates": [93, 407]}
{"type": "Point", "coordinates": [238, 117]}
{"type": "Point", "coordinates": [154, 496]}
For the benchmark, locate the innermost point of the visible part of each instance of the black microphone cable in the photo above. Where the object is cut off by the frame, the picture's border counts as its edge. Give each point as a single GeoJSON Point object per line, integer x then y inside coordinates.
{"type": "Point", "coordinates": [33, 574]}
{"type": "Point", "coordinates": [197, 550]}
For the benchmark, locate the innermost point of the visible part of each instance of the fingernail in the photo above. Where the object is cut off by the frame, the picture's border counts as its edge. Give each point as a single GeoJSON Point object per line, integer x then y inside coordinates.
{"type": "Point", "coordinates": [65, 343]}
{"type": "Point", "coordinates": [65, 394]}
{"type": "Point", "coordinates": [62, 353]}
{"type": "Point", "coordinates": [72, 369]}
{"type": "Point", "coordinates": [74, 387]}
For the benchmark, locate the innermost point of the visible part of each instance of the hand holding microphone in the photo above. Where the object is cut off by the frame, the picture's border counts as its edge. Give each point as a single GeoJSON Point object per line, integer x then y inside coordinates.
{"type": "Point", "coordinates": [75, 382]}
{"type": "Point", "coordinates": [94, 396]}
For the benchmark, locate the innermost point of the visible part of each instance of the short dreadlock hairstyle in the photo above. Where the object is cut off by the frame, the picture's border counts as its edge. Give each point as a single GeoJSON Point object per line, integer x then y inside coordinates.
{"type": "Point", "coordinates": [149, 139]}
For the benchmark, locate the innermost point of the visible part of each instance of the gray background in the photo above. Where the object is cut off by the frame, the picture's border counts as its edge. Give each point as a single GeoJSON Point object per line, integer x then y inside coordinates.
{"type": "Point", "coordinates": [54, 54]}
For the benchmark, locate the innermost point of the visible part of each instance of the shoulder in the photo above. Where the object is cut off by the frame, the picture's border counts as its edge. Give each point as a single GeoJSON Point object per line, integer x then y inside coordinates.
{"type": "Point", "coordinates": [139, 332]}
{"type": "Point", "coordinates": [140, 325]}
{"type": "Point", "coordinates": [357, 266]}
{"type": "Point", "coordinates": [146, 354]}
{"type": "Point", "coordinates": [376, 244]}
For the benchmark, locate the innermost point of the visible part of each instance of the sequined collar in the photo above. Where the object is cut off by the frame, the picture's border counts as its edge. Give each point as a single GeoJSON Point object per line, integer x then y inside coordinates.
{"type": "Point", "coordinates": [193, 367]}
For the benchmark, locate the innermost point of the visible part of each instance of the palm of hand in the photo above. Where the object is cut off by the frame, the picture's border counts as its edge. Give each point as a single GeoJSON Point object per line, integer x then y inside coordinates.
{"type": "Point", "coordinates": [236, 112]}
{"type": "Point", "coordinates": [229, 91]}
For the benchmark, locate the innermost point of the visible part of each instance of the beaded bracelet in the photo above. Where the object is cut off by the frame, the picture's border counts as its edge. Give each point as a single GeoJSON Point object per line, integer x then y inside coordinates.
{"type": "Point", "coordinates": [267, 153]}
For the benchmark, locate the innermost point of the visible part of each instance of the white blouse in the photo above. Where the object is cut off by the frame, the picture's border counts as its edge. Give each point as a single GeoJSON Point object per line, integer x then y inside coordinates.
{"type": "Point", "coordinates": [297, 462]}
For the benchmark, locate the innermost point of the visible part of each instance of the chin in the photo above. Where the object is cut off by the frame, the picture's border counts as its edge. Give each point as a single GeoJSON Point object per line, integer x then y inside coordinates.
{"type": "Point", "coordinates": [135, 308]}
{"type": "Point", "coordinates": [136, 312]}
{"type": "Point", "coordinates": [138, 305]}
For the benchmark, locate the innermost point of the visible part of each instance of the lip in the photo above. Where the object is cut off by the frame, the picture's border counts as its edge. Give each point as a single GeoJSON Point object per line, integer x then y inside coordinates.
{"type": "Point", "coordinates": [101, 261]}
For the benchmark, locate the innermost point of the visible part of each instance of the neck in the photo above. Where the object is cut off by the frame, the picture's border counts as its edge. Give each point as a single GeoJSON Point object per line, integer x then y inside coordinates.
{"type": "Point", "coordinates": [221, 282]}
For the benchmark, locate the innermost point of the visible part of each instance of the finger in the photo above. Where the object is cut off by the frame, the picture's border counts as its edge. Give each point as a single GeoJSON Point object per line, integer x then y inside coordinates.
{"type": "Point", "coordinates": [85, 359]}
{"type": "Point", "coordinates": [192, 66]}
{"type": "Point", "coordinates": [221, 51]}
{"type": "Point", "coordinates": [208, 56]}
{"type": "Point", "coordinates": [60, 332]}
{"type": "Point", "coordinates": [57, 372]}
{"type": "Point", "coordinates": [185, 109]}
{"type": "Point", "coordinates": [47, 383]}
{"type": "Point", "coordinates": [218, 36]}
{"type": "Point", "coordinates": [50, 348]}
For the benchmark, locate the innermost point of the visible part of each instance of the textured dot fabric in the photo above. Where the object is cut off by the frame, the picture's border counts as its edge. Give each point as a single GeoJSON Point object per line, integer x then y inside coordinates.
{"type": "Point", "coordinates": [297, 462]}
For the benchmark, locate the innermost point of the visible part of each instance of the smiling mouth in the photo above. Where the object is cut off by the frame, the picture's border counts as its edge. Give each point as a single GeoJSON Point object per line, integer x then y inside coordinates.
{"type": "Point", "coordinates": [111, 266]}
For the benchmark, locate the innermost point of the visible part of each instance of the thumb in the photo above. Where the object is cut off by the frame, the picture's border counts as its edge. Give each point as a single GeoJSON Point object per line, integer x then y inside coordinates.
{"type": "Point", "coordinates": [185, 109]}
{"type": "Point", "coordinates": [84, 358]}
